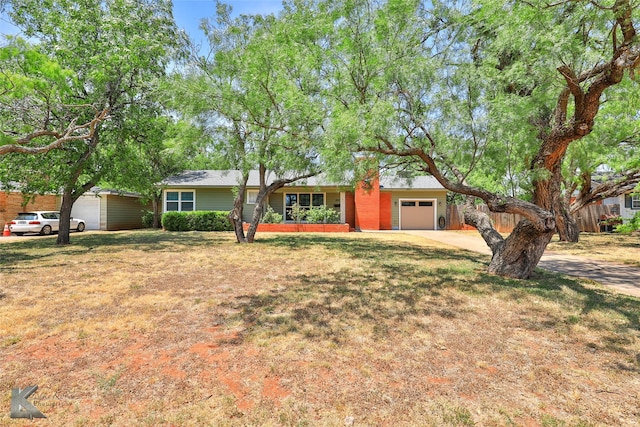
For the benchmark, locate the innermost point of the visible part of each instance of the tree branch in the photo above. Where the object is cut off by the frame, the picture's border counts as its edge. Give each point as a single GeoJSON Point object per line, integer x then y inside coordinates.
{"type": "Point", "coordinates": [541, 219]}
{"type": "Point", "coordinates": [70, 134]}
{"type": "Point", "coordinates": [610, 188]}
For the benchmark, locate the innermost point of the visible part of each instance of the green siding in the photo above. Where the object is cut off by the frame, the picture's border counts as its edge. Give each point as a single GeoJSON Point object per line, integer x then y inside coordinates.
{"type": "Point", "coordinates": [221, 199]}
{"type": "Point", "coordinates": [214, 199]}
{"type": "Point", "coordinates": [332, 200]}
{"type": "Point", "coordinates": [121, 212]}
{"type": "Point", "coordinates": [396, 195]}
{"type": "Point", "coordinates": [247, 212]}
{"type": "Point", "coordinates": [276, 201]}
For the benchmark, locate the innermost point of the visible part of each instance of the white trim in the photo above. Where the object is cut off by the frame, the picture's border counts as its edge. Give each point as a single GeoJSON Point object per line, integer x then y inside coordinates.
{"type": "Point", "coordinates": [252, 197]}
{"type": "Point", "coordinates": [435, 210]}
{"type": "Point", "coordinates": [179, 201]}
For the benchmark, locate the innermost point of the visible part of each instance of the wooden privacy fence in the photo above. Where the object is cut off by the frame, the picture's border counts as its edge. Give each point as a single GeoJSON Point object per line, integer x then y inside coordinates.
{"type": "Point", "coordinates": [588, 218]}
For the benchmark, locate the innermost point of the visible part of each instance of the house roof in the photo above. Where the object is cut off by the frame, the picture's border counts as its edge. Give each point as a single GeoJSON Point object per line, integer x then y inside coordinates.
{"type": "Point", "coordinates": [231, 178]}
{"type": "Point", "coordinates": [99, 191]}
{"type": "Point", "coordinates": [224, 178]}
{"type": "Point", "coordinates": [394, 182]}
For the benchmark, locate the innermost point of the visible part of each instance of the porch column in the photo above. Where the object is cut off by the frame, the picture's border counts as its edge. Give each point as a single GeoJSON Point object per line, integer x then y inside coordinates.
{"type": "Point", "coordinates": [343, 208]}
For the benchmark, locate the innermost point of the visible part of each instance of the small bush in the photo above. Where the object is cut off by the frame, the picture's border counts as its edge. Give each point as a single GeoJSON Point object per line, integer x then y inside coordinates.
{"type": "Point", "coordinates": [175, 221]}
{"type": "Point", "coordinates": [271, 216]}
{"type": "Point", "coordinates": [147, 219]}
{"type": "Point", "coordinates": [631, 226]}
{"type": "Point", "coordinates": [298, 213]}
{"type": "Point", "coordinates": [196, 221]}
{"type": "Point", "coordinates": [322, 215]}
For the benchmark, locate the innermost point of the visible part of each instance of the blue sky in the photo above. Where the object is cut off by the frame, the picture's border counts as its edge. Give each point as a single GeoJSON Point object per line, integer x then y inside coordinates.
{"type": "Point", "coordinates": [189, 13]}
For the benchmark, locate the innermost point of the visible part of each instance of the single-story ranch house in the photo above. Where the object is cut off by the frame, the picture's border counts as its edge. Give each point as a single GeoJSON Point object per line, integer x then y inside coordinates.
{"type": "Point", "coordinates": [387, 203]}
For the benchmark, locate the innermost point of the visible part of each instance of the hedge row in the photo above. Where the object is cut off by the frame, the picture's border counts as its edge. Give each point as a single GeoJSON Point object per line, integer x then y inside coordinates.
{"type": "Point", "coordinates": [196, 221]}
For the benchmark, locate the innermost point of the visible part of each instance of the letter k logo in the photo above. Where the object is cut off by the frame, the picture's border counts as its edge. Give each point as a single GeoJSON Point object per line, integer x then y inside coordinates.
{"type": "Point", "coordinates": [21, 407]}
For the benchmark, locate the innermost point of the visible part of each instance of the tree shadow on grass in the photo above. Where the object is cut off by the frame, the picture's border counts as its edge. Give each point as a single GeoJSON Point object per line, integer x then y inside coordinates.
{"type": "Point", "coordinates": [40, 250]}
{"type": "Point", "coordinates": [404, 280]}
{"type": "Point", "coordinates": [370, 248]}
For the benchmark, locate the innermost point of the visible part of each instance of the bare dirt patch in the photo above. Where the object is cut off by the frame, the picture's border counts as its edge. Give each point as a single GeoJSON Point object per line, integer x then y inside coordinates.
{"type": "Point", "coordinates": [191, 329]}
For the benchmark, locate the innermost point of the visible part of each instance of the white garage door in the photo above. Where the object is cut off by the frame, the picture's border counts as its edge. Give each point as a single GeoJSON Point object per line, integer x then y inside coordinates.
{"type": "Point", "coordinates": [88, 209]}
{"type": "Point", "coordinates": [417, 215]}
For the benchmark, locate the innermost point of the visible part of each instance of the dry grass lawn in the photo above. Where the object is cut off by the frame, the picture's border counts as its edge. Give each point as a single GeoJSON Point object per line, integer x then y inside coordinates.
{"type": "Point", "coordinates": [613, 247]}
{"type": "Point", "coordinates": [190, 329]}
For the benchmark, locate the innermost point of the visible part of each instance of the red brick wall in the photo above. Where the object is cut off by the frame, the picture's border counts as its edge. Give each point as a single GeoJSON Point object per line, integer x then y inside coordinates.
{"type": "Point", "coordinates": [385, 211]}
{"type": "Point", "coordinates": [12, 203]}
{"type": "Point", "coordinates": [367, 198]}
{"type": "Point", "coordinates": [301, 228]}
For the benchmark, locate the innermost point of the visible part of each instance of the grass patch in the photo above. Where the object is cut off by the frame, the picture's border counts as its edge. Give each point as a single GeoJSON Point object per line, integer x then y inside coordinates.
{"type": "Point", "coordinates": [612, 247]}
{"type": "Point", "coordinates": [307, 329]}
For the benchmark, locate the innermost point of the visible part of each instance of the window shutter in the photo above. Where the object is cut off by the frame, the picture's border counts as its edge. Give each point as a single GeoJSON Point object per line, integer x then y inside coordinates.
{"type": "Point", "coordinates": [627, 200]}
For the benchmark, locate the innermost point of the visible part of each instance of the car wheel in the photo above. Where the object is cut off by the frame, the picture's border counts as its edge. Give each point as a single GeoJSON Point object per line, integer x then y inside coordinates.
{"type": "Point", "coordinates": [80, 228]}
{"type": "Point", "coordinates": [46, 230]}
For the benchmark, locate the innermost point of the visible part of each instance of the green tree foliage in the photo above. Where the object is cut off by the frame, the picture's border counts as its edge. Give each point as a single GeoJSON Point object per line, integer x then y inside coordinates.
{"type": "Point", "coordinates": [486, 96]}
{"type": "Point", "coordinates": [116, 49]}
{"type": "Point", "coordinates": [257, 95]}
{"type": "Point", "coordinates": [34, 118]}
{"type": "Point", "coordinates": [606, 163]}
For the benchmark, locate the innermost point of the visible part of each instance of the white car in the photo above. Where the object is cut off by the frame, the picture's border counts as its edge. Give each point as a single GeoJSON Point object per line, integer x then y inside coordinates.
{"type": "Point", "coordinates": [42, 222]}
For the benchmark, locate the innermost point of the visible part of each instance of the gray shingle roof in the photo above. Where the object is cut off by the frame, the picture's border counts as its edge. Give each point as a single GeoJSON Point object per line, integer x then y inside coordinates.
{"type": "Point", "coordinates": [227, 178]}
{"type": "Point", "coordinates": [231, 178]}
{"type": "Point", "coordinates": [418, 182]}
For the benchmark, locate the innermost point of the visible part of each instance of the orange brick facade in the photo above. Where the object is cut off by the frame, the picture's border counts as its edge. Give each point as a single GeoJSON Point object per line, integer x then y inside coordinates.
{"type": "Point", "coordinates": [350, 209]}
{"type": "Point", "coordinates": [385, 211]}
{"type": "Point", "coordinates": [367, 201]}
{"type": "Point", "coordinates": [372, 207]}
{"type": "Point", "coordinates": [12, 203]}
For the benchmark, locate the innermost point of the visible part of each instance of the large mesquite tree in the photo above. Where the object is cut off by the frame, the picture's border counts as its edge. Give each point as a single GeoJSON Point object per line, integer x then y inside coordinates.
{"type": "Point", "coordinates": [462, 90]}
{"type": "Point", "coordinates": [257, 95]}
{"type": "Point", "coordinates": [116, 50]}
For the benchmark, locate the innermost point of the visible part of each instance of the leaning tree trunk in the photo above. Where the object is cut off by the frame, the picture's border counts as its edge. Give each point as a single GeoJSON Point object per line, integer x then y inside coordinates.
{"type": "Point", "coordinates": [520, 253]}
{"type": "Point", "coordinates": [235, 216]}
{"type": "Point", "coordinates": [257, 215]}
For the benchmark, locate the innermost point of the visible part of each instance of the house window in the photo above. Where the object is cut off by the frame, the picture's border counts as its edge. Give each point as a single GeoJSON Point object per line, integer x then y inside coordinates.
{"type": "Point", "coordinates": [252, 197]}
{"type": "Point", "coordinates": [181, 201]}
{"type": "Point", "coordinates": [304, 200]}
{"type": "Point", "coordinates": [635, 201]}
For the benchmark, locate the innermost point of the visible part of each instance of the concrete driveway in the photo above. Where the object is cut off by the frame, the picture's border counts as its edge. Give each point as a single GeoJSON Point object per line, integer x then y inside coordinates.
{"type": "Point", "coordinates": [619, 277]}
